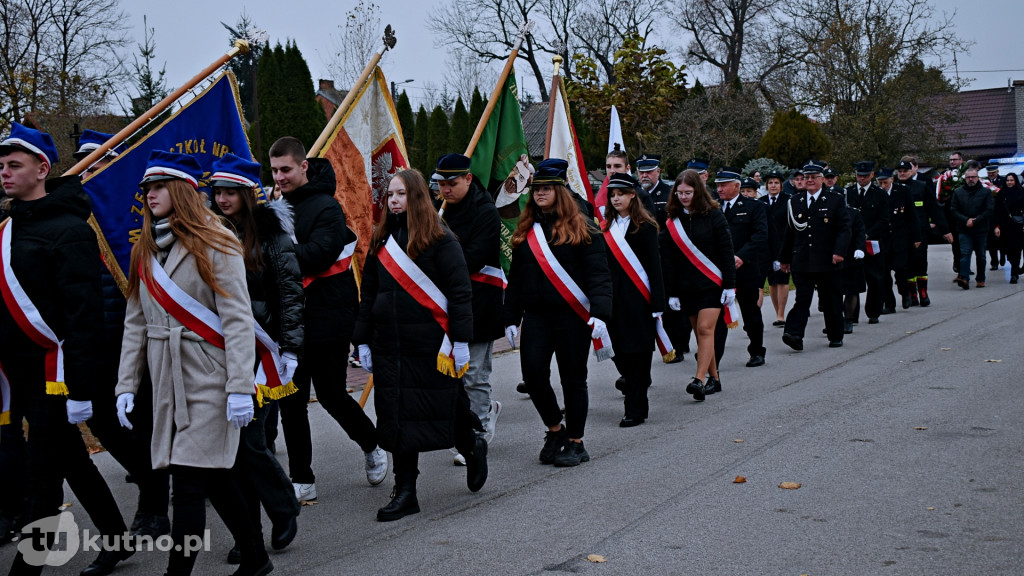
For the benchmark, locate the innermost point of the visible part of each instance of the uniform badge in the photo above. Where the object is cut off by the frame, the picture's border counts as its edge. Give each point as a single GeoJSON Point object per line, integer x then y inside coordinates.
{"type": "Point", "coordinates": [799, 215]}
{"type": "Point", "coordinates": [826, 220]}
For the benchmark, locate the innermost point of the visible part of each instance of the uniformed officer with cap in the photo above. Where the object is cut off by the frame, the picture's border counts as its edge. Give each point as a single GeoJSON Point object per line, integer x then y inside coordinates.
{"type": "Point", "coordinates": [700, 165]}
{"type": "Point", "coordinates": [795, 183]}
{"type": "Point", "coordinates": [906, 236]}
{"type": "Point", "coordinates": [873, 204]}
{"type": "Point", "coordinates": [91, 140]}
{"type": "Point", "coordinates": [831, 180]}
{"type": "Point", "coordinates": [749, 187]}
{"type": "Point", "coordinates": [929, 218]}
{"type": "Point", "coordinates": [992, 170]}
{"type": "Point", "coordinates": [648, 169]}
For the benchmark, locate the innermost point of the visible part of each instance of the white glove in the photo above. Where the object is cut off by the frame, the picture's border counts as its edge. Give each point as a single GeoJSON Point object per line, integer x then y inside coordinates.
{"type": "Point", "coordinates": [461, 352]}
{"type": "Point", "coordinates": [728, 296]}
{"type": "Point", "coordinates": [599, 330]}
{"type": "Point", "coordinates": [365, 358]}
{"type": "Point", "coordinates": [674, 304]}
{"type": "Point", "coordinates": [125, 405]}
{"type": "Point", "coordinates": [240, 409]}
{"type": "Point", "coordinates": [776, 266]}
{"type": "Point", "coordinates": [79, 410]}
{"type": "Point", "coordinates": [858, 254]}
{"type": "Point", "coordinates": [510, 333]}
{"type": "Point", "coordinates": [291, 362]}
{"type": "Point", "coordinates": [656, 314]}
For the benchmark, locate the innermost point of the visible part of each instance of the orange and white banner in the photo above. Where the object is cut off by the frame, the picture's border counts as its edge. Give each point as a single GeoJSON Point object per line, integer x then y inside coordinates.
{"type": "Point", "coordinates": [565, 145]}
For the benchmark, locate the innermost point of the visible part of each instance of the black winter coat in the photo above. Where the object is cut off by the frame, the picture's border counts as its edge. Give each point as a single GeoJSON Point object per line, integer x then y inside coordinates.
{"type": "Point", "coordinates": [926, 208]}
{"type": "Point", "coordinates": [632, 326]}
{"type": "Point", "coordinates": [777, 224]}
{"type": "Point", "coordinates": [321, 234]}
{"type": "Point", "coordinates": [54, 254]}
{"type": "Point", "coordinates": [276, 289]}
{"type": "Point", "coordinates": [972, 202]}
{"type": "Point", "coordinates": [530, 289]}
{"type": "Point", "coordinates": [415, 403]}
{"type": "Point", "coordinates": [748, 228]}
{"type": "Point", "coordinates": [1010, 205]}
{"type": "Point", "coordinates": [903, 220]}
{"type": "Point", "coordinates": [660, 195]}
{"type": "Point", "coordinates": [825, 231]}
{"type": "Point", "coordinates": [874, 210]}
{"type": "Point", "coordinates": [710, 234]}
{"type": "Point", "coordinates": [477, 227]}
{"type": "Point", "coordinates": [854, 281]}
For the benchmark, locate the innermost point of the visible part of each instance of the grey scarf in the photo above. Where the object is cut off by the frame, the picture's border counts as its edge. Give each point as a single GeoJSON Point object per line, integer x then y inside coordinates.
{"type": "Point", "coordinates": [164, 237]}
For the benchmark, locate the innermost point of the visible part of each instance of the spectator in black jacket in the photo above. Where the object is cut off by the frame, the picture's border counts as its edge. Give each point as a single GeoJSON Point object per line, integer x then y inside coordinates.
{"type": "Point", "coordinates": [1009, 217]}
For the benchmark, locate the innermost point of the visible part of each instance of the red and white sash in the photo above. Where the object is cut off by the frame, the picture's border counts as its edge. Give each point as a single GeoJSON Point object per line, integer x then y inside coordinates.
{"type": "Point", "coordinates": [423, 290]}
{"type": "Point", "coordinates": [704, 264]}
{"type": "Point", "coordinates": [490, 275]}
{"type": "Point", "coordinates": [5, 398]}
{"type": "Point", "coordinates": [566, 286]}
{"type": "Point", "coordinates": [31, 322]}
{"type": "Point", "coordinates": [873, 247]}
{"type": "Point", "coordinates": [341, 264]}
{"type": "Point", "coordinates": [629, 262]}
{"type": "Point", "coordinates": [204, 322]}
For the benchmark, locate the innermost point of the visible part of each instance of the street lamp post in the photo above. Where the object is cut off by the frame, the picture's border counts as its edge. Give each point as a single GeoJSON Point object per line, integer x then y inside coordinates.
{"type": "Point", "coordinates": [395, 85]}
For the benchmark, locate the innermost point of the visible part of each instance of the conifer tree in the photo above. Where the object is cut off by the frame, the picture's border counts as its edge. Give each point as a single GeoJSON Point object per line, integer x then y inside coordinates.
{"type": "Point", "coordinates": [460, 131]}
{"type": "Point", "coordinates": [407, 120]}
{"type": "Point", "coordinates": [437, 136]}
{"type": "Point", "coordinates": [420, 149]}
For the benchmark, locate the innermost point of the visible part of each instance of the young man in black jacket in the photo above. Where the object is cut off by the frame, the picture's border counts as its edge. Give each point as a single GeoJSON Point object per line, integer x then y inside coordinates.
{"type": "Point", "coordinates": [332, 300]}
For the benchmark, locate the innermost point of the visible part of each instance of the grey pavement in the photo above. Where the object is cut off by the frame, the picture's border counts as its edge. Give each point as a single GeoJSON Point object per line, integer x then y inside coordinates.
{"type": "Point", "coordinates": [907, 443]}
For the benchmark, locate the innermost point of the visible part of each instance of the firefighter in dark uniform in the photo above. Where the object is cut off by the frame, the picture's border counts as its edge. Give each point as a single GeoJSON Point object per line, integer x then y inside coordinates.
{"type": "Point", "coordinates": [994, 244]}
{"type": "Point", "coordinates": [874, 210]}
{"type": "Point", "coordinates": [831, 180]}
{"type": "Point", "coordinates": [906, 236]}
{"type": "Point", "coordinates": [775, 206]}
{"type": "Point", "coordinates": [648, 169]}
{"type": "Point", "coordinates": [929, 218]}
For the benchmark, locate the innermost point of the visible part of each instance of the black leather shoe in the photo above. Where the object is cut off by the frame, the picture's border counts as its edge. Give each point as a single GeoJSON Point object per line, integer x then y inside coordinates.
{"type": "Point", "coordinates": [794, 342]}
{"type": "Point", "coordinates": [403, 503]}
{"type": "Point", "coordinates": [573, 454]}
{"type": "Point", "coordinates": [554, 442]}
{"type": "Point", "coordinates": [906, 301]}
{"type": "Point", "coordinates": [476, 465]}
{"type": "Point", "coordinates": [779, 323]}
{"type": "Point", "coordinates": [888, 310]}
{"type": "Point", "coordinates": [847, 327]}
{"type": "Point", "coordinates": [105, 562]}
{"type": "Point", "coordinates": [522, 389]}
{"type": "Point", "coordinates": [1014, 279]}
{"type": "Point", "coordinates": [755, 360]}
{"type": "Point", "coordinates": [153, 526]}
{"type": "Point", "coordinates": [696, 387]}
{"type": "Point", "coordinates": [713, 385]}
{"type": "Point", "coordinates": [629, 422]}
{"type": "Point", "coordinates": [282, 535]}
{"type": "Point", "coordinates": [963, 282]}
{"type": "Point", "coordinates": [872, 320]}
{"type": "Point", "coordinates": [257, 564]}
{"type": "Point", "coordinates": [835, 344]}
{"type": "Point", "coordinates": [620, 384]}
{"type": "Point", "coordinates": [235, 556]}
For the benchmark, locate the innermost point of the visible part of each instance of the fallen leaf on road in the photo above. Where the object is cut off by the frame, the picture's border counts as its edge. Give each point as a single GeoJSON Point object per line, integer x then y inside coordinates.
{"type": "Point", "coordinates": [308, 502]}
{"type": "Point", "coordinates": [945, 349]}
{"type": "Point", "coordinates": [597, 558]}
{"type": "Point", "coordinates": [738, 440]}
{"type": "Point", "coordinates": [790, 485]}
{"type": "Point", "coordinates": [740, 480]}
{"type": "Point", "coordinates": [931, 508]}
{"type": "Point", "coordinates": [920, 427]}
{"type": "Point", "coordinates": [66, 505]}
{"type": "Point", "coordinates": [911, 331]}
{"type": "Point", "coordinates": [991, 360]}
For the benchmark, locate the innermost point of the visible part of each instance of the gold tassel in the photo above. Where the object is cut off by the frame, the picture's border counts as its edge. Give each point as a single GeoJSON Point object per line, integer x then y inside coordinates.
{"type": "Point", "coordinates": [666, 358]}
{"type": "Point", "coordinates": [445, 365]}
{"type": "Point", "coordinates": [463, 371]}
{"type": "Point", "coordinates": [57, 389]}
{"type": "Point", "coordinates": [734, 325]}
{"type": "Point", "coordinates": [5, 418]}
{"type": "Point", "coordinates": [277, 392]}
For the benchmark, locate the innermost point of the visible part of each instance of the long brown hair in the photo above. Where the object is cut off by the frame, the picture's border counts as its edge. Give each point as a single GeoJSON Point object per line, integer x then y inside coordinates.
{"type": "Point", "coordinates": [637, 213]}
{"type": "Point", "coordinates": [244, 226]}
{"type": "Point", "coordinates": [702, 202]}
{"type": "Point", "coordinates": [424, 224]}
{"type": "Point", "coordinates": [570, 226]}
{"type": "Point", "coordinates": [194, 226]}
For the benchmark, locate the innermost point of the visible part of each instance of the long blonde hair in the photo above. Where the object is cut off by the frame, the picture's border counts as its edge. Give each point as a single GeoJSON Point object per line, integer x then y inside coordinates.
{"type": "Point", "coordinates": [194, 226]}
{"type": "Point", "coordinates": [570, 227]}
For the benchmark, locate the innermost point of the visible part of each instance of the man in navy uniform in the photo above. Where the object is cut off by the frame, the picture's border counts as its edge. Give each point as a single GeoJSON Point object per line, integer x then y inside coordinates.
{"type": "Point", "coordinates": [648, 169]}
{"type": "Point", "coordinates": [873, 204]}
{"type": "Point", "coordinates": [929, 218]}
{"type": "Point", "coordinates": [905, 238]}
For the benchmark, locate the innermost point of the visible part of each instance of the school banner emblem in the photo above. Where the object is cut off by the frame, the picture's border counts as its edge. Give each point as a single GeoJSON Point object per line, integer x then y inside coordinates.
{"type": "Point", "coordinates": [207, 127]}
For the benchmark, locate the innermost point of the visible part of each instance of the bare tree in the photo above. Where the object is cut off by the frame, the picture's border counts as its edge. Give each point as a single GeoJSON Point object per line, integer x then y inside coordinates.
{"type": "Point", "coordinates": [601, 26]}
{"type": "Point", "coordinates": [469, 73]}
{"type": "Point", "coordinates": [723, 124]}
{"type": "Point", "coordinates": [354, 43]}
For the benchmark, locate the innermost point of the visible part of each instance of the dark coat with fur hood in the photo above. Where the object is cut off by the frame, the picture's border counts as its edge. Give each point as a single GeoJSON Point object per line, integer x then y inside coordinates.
{"type": "Point", "coordinates": [276, 288]}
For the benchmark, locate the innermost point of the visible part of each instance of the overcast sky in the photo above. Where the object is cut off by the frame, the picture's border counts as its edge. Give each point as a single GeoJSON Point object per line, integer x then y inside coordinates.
{"type": "Point", "coordinates": [189, 36]}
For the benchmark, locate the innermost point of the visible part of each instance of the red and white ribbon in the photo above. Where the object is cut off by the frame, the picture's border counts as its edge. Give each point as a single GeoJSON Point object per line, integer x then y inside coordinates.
{"type": "Point", "coordinates": [566, 286]}
{"type": "Point", "coordinates": [490, 275]}
{"type": "Point", "coordinates": [873, 247]}
{"type": "Point", "coordinates": [417, 284]}
{"type": "Point", "coordinates": [29, 319]}
{"type": "Point", "coordinates": [204, 322]}
{"type": "Point", "coordinates": [341, 264]}
{"type": "Point", "coordinates": [704, 264]}
{"type": "Point", "coordinates": [631, 265]}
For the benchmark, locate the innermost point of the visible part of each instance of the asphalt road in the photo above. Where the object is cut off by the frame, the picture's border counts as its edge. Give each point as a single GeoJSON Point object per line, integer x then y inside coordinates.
{"type": "Point", "coordinates": [907, 444]}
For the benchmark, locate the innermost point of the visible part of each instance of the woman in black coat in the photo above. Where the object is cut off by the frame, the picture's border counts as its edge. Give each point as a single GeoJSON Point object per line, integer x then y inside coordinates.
{"type": "Point", "coordinates": [418, 395]}
{"type": "Point", "coordinates": [1009, 217]}
{"type": "Point", "coordinates": [550, 325]}
{"type": "Point", "coordinates": [632, 327]}
{"type": "Point", "coordinates": [688, 288]}
{"type": "Point", "coordinates": [274, 283]}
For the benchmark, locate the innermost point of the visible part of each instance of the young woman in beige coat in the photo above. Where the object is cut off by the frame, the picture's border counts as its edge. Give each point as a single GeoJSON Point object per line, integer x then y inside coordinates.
{"type": "Point", "coordinates": [197, 379]}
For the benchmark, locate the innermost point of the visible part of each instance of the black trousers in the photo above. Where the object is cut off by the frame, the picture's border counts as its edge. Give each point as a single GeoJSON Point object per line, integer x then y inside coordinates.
{"type": "Point", "coordinates": [955, 246]}
{"type": "Point", "coordinates": [260, 477]}
{"type": "Point", "coordinates": [677, 326]}
{"type": "Point", "coordinates": [830, 293]}
{"type": "Point", "coordinates": [54, 452]}
{"type": "Point", "coordinates": [875, 273]}
{"type": "Point", "coordinates": [566, 337]}
{"type": "Point", "coordinates": [919, 259]}
{"type": "Point", "coordinates": [900, 269]}
{"type": "Point", "coordinates": [635, 367]}
{"type": "Point", "coordinates": [325, 363]}
{"type": "Point", "coordinates": [192, 486]}
{"type": "Point", "coordinates": [12, 469]}
{"type": "Point", "coordinates": [747, 294]}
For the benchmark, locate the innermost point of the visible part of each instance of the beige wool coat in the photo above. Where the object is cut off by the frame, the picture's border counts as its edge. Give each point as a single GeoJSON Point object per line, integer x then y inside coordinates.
{"type": "Point", "coordinates": [191, 377]}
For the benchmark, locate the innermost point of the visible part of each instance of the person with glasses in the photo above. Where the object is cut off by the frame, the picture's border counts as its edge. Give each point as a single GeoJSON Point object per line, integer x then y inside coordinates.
{"type": "Point", "coordinates": [972, 206]}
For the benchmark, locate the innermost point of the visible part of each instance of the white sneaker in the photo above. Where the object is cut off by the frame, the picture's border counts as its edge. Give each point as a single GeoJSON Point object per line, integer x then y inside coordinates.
{"type": "Point", "coordinates": [304, 492]}
{"type": "Point", "coordinates": [376, 466]}
{"type": "Point", "coordinates": [492, 421]}
{"type": "Point", "coordinates": [459, 459]}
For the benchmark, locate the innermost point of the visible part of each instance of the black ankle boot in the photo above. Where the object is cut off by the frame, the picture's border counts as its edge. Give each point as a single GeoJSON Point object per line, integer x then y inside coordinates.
{"type": "Point", "coordinates": [255, 561]}
{"type": "Point", "coordinates": [403, 501]}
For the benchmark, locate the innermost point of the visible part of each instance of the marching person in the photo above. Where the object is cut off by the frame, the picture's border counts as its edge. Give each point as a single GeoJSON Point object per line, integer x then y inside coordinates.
{"type": "Point", "coordinates": [972, 207]}
{"type": "Point", "coordinates": [853, 271]}
{"type": "Point", "coordinates": [817, 240]}
{"type": "Point", "coordinates": [413, 332]}
{"type": "Point", "coordinates": [648, 170]}
{"type": "Point", "coordinates": [275, 291]}
{"type": "Point", "coordinates": [560, 288]}
{"type": "Point", "coordinates": [700, 270]}
{"type": "Point", "coordinates": [871, 201]}
{"type": "Point", "coordinates": [51, 326]}
{"type": "Point", "coordinates": [631, 235]}
{"type": "Point", "coordinates": [905, 239]}
{"type": "Point", "coordinates": [189, 323]}
{"type": "Point", "coordinates": [778, 281]}
{"type": "Point", "coordinates": [929, 218]}
{"type": "Point", "coordinates": [324, 246]}
{"type": "Point", "coordinates": [1009, 216]}
{"type": "Point", "coordinates": [472, 217]}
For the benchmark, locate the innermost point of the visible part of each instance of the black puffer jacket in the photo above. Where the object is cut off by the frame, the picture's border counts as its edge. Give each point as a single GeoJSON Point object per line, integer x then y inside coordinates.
{"type": "Point", "coordinates": [415, 403]}
{"type": "Point", "coordinates": [54, 255]}
{"type": "Point", "coordinates": [476, 225]}
{"type": "Point", "coordinates": [710, 234]}
{"type": "Point", "coordinates": [530, 289]}
{"type": "Point", "coordinates": [276, 290]}
{"type": "Point", "coordinates": [321, 234]}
